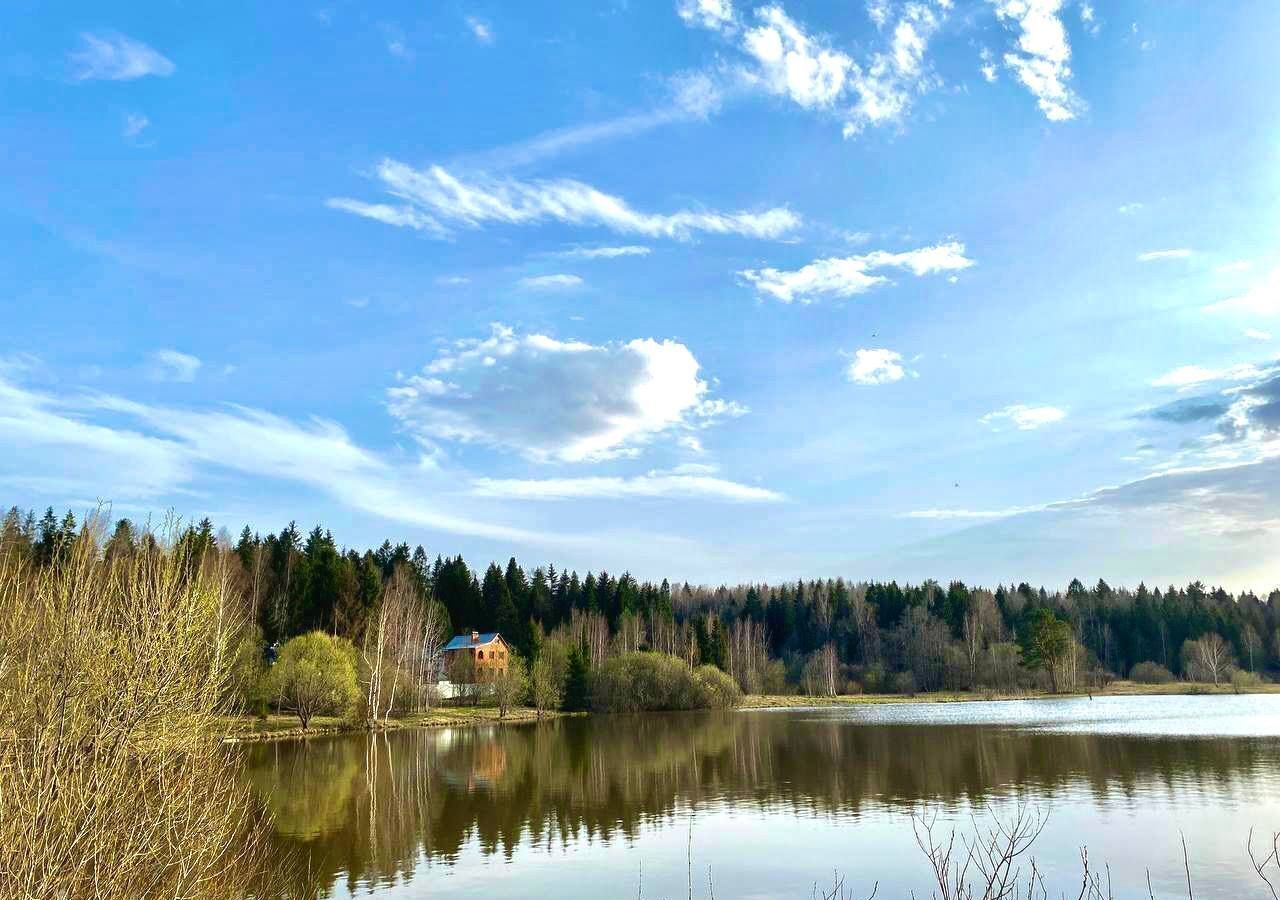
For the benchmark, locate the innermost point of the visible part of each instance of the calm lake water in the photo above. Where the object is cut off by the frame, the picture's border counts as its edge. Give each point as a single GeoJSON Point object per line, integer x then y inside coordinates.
{"type": "Point", "coordinates": [771, 802]}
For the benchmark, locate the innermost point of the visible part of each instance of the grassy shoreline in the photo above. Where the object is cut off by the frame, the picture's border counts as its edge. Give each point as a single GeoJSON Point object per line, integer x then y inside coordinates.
{"type": "Point", "coordinates": [279, 727]}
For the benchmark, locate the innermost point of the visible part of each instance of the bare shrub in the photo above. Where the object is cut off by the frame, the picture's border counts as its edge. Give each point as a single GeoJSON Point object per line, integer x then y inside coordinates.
{"type": "Point", "coordinates": [1150, 673]}
{"type": "Point", "coordinates": [113, 672]}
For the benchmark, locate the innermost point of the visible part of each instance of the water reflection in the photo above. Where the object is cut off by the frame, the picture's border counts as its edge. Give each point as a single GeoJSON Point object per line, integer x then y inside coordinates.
{"type": "Point", "coordinates": [370, 810]}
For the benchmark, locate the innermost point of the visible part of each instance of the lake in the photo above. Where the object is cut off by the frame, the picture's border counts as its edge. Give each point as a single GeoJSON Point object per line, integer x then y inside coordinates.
{"type": "Point", "coordinates": [767, 803]}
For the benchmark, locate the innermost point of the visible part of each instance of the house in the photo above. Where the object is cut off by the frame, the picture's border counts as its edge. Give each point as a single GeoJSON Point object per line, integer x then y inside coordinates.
{"type": "Point", "coordinates": [488, 651]}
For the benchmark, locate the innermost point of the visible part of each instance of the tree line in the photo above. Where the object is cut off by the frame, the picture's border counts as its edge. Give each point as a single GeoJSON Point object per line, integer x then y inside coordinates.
{"type": "Point", "coordinates": [821, 636]}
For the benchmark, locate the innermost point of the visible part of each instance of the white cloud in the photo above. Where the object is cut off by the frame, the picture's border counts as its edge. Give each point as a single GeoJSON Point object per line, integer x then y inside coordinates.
{"type": "Point", "coordinates": [695, 94]}
{"type": "Point", "coordinates": [1256, 335]}
{"type": "Point", "coordinates": [787, 61]}
{"type": "Point", "coordinates": [1043, 55]}
{"type": "Point", "coordinates": [988, 68]}
{"type": "Point", "coordinates": [851, 275]}
{"type": "Point", "coordinates": [172, 365]}
{"type": "Point", "coordinates": [795, 65]}
{"type": "Point", "coordinates": [876, 366]}
{"type": "Point", "coordinates": [397, 47]}
{"type": "Point", "coordinates": [1237, 265]}
{"type": "Point", "coordinates": [1128, 209]}
{"type": "Point", "coordinates": [171, 447]}
{"type": "Point", "coordinates": [358, 302]}
{"type": "Point", "coordinates": [400, 216]}
{"type": "Point", "coordinates": [716, 15]}
{"type": "Point", "coordinates": [1263, 299]}
{"type": "Point", "coordinates": [1185, 377]}
{"type": "Point", "coordinates": [432, 196]}
{"type": "Point", "coordinates": [1160, 255]}
{"type": "Point", "coordinates": [557, 400]}
{"type": "Point", "coordinates": [551, 282]}
{"type": "Point", "coordinates": [453, 280]}
{"type": "Point", "coordinates": [134, 125]}
{"type": "Point", "coordinates": [603, 252]}
{"type": "Point", "coordinates": [480, 29]}
{"type": "Point", "coordinates": [1089, 19]}
{"type": "Point", "coordinates": [115, 57]}
{"type": "Point", "coordinates": [1024, 418]}
{"type": "Point", "coordinates": [944, 514]}
{"type": "Point", "coordinates": [652, 484]}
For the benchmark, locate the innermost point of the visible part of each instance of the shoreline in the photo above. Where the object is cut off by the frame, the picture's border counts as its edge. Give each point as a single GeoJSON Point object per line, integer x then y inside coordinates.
{"type": "Point", "coordinates": [280, 727]}
{"type": "Point", "coordinates": [1115, 689]}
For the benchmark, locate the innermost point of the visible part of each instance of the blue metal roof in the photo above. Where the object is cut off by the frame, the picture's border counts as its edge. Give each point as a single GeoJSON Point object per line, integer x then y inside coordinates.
{"type": "Point", "coordinates": [462, 641]}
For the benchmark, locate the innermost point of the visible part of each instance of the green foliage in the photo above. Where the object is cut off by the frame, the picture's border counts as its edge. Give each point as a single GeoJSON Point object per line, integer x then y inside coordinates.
{"type": "Point", "coordinates": [719, 690]}
{"type": "Point", "coordinates": [246, 685]}
{"type": "Point", "coordinates": [947, 634]}
{"type": "Point", "coordinates": [1048, 641]}
{"type": "Point", "coordinates": [577, 683]}
{"type": "Point", "coordinates": [642, 681]}
{"type": "Point", "coordinates": [313, 675]}
{"type": "Point", "coordinates": [1150, 673]}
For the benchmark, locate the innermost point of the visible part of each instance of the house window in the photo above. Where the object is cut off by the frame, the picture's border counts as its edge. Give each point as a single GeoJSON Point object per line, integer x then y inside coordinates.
{"type": "Point", "coordinates": [479, 654]}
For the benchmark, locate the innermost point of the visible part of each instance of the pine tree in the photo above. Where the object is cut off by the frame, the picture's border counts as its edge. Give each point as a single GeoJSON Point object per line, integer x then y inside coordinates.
{"type": "Point", "coordinates": [577, 686]}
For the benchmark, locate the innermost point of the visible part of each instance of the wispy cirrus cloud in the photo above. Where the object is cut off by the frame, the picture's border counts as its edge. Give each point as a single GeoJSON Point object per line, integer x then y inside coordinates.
{"type": "Point", "coordinates": [112, 56]}
{"type": "Point", "coordinates": [689, 96]}
{"type": "Point", "coordinates": [675, 483]}
{"type": "Point", "coordinates": [435, 201]}
{"type": "Point", "coordinates": [174, 365]}
{"type": "Point", "coordinates": [1162, 255]}
{"type": "Point", "coordinates": [951, 514]}
{"type": "Point", "coordinates": [1263, 299]}
{"type": "Point", "coordinates": [602, 252]}
{"type": "Point", "coordinates": [1023, 417]}
{"type": "Point", "coordinates": [556, 282]}
{"type": "Point", "coordinates": [1185, 377]}
{"type": "Point", "coordinates": [851, 275]}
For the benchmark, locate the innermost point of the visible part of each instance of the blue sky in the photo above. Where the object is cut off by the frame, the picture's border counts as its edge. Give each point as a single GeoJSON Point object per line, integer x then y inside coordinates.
{"type": "Point", "coordinates": [984, 289]}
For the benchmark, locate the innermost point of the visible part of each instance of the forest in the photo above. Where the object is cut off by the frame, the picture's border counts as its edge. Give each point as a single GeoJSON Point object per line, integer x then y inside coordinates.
{"type": "Point", "coordinates": [818, 636]}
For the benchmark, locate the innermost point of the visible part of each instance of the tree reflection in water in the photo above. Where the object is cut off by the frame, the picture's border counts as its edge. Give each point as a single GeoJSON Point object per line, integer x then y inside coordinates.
{"type": "Point", "coordinates": [370, 808]}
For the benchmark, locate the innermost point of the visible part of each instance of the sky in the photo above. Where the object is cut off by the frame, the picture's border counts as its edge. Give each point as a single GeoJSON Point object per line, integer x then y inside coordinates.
{"type": "Point", "coordinates": [700, 289]}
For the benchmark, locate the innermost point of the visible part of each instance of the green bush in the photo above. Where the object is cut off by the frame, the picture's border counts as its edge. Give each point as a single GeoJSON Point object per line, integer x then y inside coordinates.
{"type": "Point", "coordinates": [718, 690]}
{"type": "Point", "coordinates": [313, 675]}
{"type": "Point", "coordinates": [1150, 673]}
{"type": "Point", "coordinates": [641, 681]}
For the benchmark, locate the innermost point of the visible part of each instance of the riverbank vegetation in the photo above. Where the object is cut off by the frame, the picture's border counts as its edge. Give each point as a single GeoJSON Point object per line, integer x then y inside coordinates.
{"type": "Point", "coordinates": [114, 671]}
{"type": "Point", "coordinates": [388, 612]}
